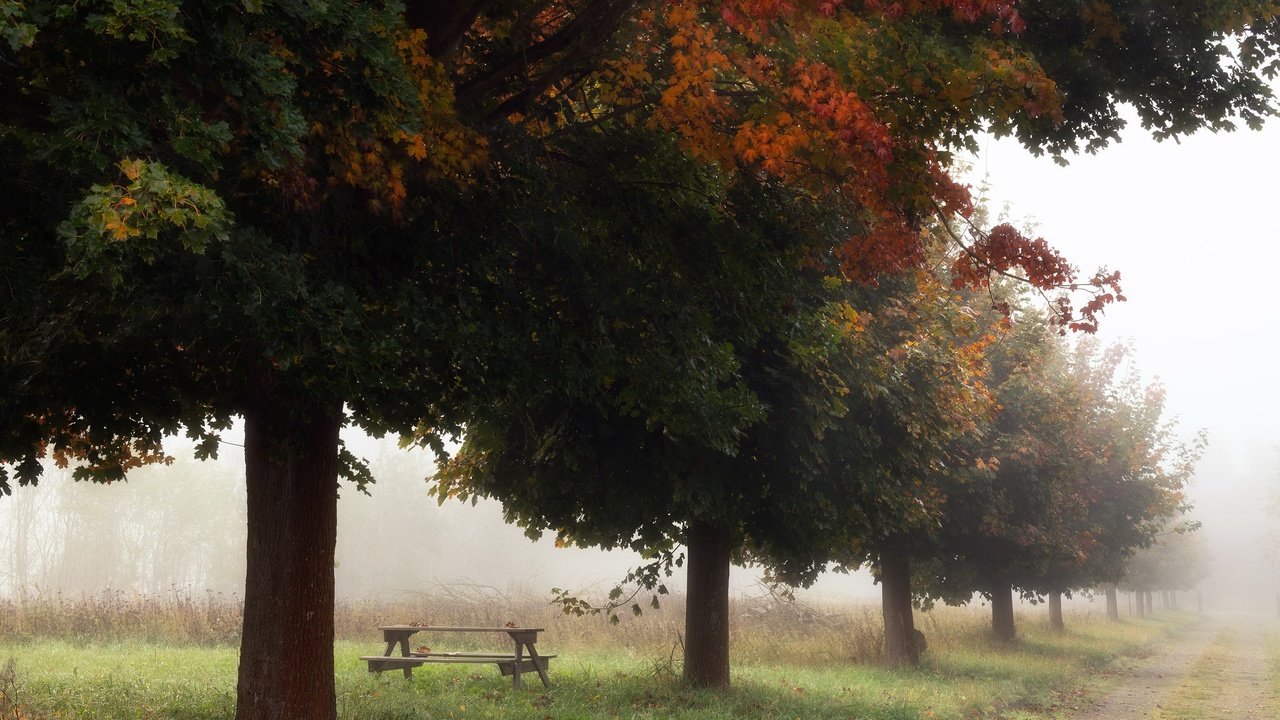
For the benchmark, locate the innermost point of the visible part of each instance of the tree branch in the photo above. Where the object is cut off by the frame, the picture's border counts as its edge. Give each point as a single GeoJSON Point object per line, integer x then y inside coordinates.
{"type": "Point", "coordinates": [573, 43]}
{"type": "Point", "coordinates": [444, 22]}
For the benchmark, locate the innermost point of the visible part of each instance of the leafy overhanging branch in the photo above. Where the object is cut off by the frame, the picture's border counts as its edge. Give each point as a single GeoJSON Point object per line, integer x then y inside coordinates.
{"type": "Point", "coordinates": [1004, 248]}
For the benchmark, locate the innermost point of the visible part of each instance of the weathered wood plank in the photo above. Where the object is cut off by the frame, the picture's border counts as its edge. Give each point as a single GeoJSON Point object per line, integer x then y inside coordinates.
{"type": "Point", "coordinates": [450, 628]}
{"type": "Point", "coordinates": [498, 655]}
{"type": "Point", "coordinates": [507, 667]}
{"type": "Point", "coordinates": [481, 659]}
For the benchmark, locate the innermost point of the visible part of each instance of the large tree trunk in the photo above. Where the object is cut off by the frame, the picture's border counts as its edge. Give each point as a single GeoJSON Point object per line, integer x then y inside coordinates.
{"type": "Point", "coordinates": [1140, 608]}
{"type": "Point", "coordinates": [1113, 603]}
{"type": "Point", "coordinates": [291, 472]}
{"type": "Point", "coordinates": [1055, 612]}
{"type": "Point", "coordinates": [1002, 627]}
{"type": "Point", "coordinates": [706, 616]}
{"type": "Point", "coordinates": [900, 646]}
{"type": "Point", "coordinates": [1150, 607]}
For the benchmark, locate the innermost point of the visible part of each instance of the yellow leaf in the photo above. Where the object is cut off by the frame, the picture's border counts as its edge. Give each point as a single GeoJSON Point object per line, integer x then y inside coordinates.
{"type": "Point", "coordinates": [132, 169]}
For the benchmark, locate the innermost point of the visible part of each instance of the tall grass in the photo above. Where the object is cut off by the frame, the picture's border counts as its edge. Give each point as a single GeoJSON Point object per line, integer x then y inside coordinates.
{"type": "Point", "coordinates": [177, 617]}
{"type": "Point", "coordinates": [764, 628]}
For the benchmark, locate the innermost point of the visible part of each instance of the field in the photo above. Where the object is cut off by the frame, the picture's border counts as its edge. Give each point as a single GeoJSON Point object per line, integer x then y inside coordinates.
{"type": "Point", "coordinates": [115, 656]}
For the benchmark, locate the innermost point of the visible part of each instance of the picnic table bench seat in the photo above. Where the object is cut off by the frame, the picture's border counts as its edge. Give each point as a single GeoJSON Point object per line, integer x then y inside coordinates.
{"type": "Point", "coordinates": [504, 661]}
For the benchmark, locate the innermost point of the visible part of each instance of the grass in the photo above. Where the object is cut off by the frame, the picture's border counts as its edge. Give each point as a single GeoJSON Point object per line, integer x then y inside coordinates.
{"type": "Point", "coordinates": [789, 662]}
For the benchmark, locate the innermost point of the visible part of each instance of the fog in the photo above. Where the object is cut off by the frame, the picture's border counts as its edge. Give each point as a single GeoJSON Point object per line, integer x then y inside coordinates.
{"type": "Point", "coordinates": [181, 528]}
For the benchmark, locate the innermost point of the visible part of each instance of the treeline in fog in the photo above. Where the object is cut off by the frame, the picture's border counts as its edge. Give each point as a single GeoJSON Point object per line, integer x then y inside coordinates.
{"type": "Point", "coordinates": [179, 528]}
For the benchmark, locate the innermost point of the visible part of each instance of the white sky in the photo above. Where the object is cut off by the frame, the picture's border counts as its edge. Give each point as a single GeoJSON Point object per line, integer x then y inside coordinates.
{"type": "Point", "coordinates": [1193, 229]}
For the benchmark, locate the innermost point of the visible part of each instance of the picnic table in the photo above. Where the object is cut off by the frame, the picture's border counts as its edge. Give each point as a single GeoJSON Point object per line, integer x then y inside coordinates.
{"type": "Point", "coordinates": [513, 663]}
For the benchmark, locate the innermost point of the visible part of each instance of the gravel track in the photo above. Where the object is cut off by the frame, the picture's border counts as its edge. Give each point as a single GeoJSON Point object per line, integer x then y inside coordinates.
{"type": "Point", "coordinates": [1242, 692]}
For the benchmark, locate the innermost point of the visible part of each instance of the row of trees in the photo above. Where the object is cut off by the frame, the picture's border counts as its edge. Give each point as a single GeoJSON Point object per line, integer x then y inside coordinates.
{"type": "Point", "coordinates": [1176, 561]}
{"type": "Point", "coordinates": [632, 247]}
{"type": "Point", "coordinates": [952, 447]}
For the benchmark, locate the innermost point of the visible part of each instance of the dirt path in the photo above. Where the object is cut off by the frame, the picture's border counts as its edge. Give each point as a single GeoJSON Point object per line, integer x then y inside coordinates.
{"type": "Point", "coordinates": [1215, 669]}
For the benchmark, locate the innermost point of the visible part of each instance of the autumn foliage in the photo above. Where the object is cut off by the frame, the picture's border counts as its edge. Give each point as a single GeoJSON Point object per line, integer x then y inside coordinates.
{"type": "Point", "coordinates": [857, 104]}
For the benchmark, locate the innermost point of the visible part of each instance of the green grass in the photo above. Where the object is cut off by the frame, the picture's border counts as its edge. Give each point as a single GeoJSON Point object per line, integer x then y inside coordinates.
{"type": "Point", "coordinates": [963, 677]}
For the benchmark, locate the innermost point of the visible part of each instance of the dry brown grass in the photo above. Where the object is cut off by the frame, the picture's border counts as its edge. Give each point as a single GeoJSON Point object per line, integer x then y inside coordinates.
{"type": "Point", "coordinates": [767, 628]}
{"type": "Point", "coordinates": [179, 616]}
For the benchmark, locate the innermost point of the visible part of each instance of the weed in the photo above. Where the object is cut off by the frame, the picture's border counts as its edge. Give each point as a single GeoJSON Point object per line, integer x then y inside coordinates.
{"type": "Point", "coordinates": [10, 707]}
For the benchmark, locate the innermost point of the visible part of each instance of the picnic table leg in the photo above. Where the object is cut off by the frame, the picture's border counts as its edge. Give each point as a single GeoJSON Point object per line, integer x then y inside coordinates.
{"type": "Point", "coordinates": [539, 664]}
{"type": "Point", "coordinates": [401, 639]}
{"type": "Point", "coordinates": [404, 650]}
{"type": "Point", "coordinates": [515, 669]}
{"type": "Point", "coordinates": [528, 639]}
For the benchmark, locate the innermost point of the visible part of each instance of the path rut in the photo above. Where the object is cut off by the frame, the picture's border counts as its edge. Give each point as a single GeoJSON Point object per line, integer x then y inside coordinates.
{"type": "Point", "coordinates": [1234, 648]}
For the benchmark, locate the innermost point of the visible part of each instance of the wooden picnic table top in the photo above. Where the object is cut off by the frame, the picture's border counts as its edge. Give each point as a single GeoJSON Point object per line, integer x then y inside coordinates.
{"type": "Point", "coordinates": [454, 628]}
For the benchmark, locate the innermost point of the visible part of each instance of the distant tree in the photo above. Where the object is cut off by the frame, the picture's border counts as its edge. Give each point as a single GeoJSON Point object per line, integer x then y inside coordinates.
{"type": "Point", "coordinates": [1004, 520]}
{"type": "Point", "coordinates": [1177, 559]}
{"type": "Point", "coordinates": [1084, 471]}
{"type": "Point", "coordinates": [1131, 472]}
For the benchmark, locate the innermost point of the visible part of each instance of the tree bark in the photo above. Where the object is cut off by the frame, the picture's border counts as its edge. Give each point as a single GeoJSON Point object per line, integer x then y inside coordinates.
{"type": "Point", "coordinates": [706, 617]}
{"type": "Point", "coordinates": [1140, 608]}
{"type": "Point", "coordinates": [1055, 612]}
{"type": "Point", "coordinates": [291, 473]}
{"type": "Point", "coordinates": [1002, 626]}
{"type": "Point", "coordinates": [895, 600]}
{"type": "Point", "coordinates": [1113, 603]}
{"type": "Point", "coordinates": [1150, 607]}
